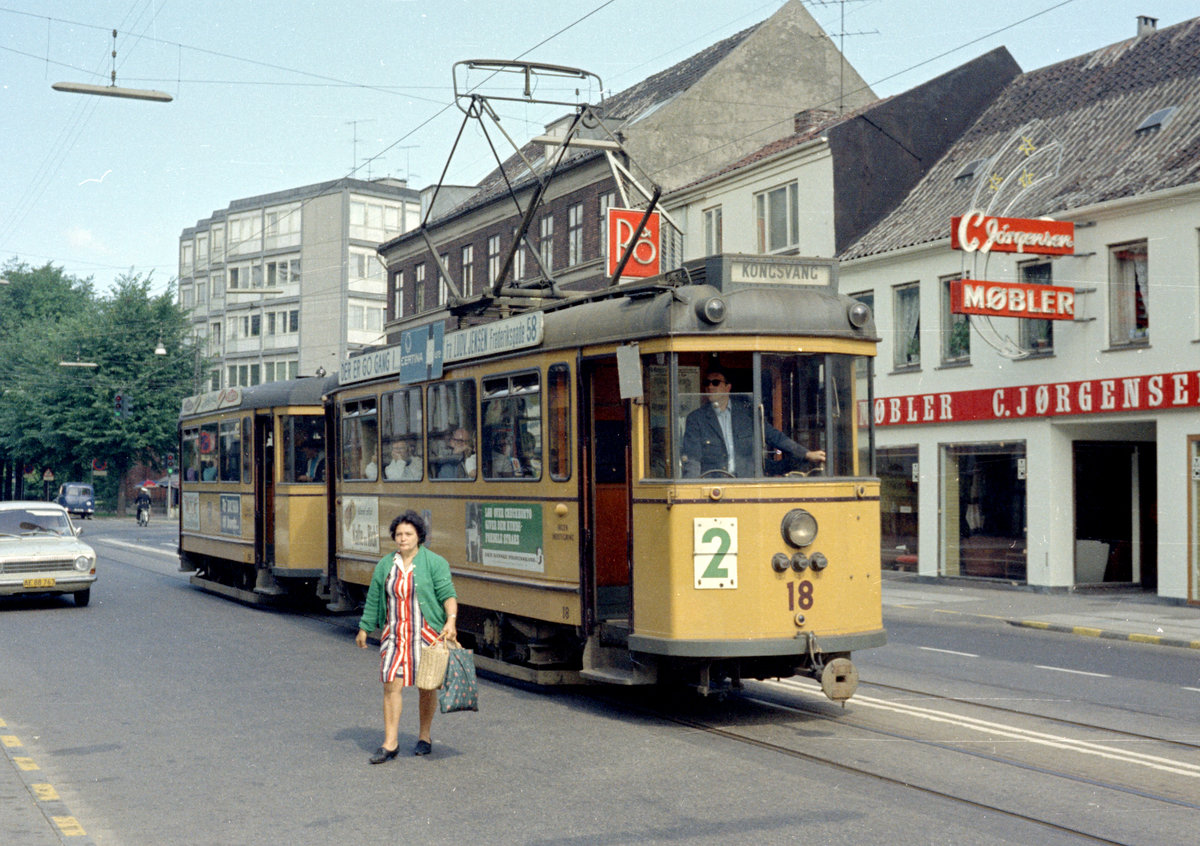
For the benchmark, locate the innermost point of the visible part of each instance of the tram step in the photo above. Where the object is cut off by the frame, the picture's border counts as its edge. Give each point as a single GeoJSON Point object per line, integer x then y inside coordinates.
{"type": "Point", "coordinates": [610, 665]}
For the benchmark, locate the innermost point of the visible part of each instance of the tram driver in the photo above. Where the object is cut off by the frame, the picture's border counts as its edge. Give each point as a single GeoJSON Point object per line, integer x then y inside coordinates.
{"type": "Point", "coordinates": [719, 435]}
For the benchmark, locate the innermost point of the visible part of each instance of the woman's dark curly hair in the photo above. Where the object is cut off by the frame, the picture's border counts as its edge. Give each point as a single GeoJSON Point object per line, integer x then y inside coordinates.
{"type": "Point", "coordinates": [413, 519]}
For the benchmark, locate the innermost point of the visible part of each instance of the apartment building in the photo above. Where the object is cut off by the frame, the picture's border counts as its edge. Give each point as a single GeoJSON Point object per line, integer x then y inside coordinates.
{"type": "Point", "coordinates": [290, 283]}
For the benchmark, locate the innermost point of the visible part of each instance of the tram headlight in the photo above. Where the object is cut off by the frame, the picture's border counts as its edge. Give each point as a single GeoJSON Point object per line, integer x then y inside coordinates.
{"type": "Point", "coordinates": [711, 309]}
{"type": "Point", "coordinates": [859, 314]}
{"type": "Point", "coordinates": [799, 527]}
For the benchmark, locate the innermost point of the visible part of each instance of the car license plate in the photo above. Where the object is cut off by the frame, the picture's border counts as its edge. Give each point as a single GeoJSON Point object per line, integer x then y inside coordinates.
{"type": "Point", "coordinates": [39, 583]}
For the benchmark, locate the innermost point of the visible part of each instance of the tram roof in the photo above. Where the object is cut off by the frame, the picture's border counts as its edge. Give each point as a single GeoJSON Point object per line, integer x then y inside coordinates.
{"type": "Point", "coordinates": [762, 295]}
{"type": "Point", "coordinates": [307, 390]}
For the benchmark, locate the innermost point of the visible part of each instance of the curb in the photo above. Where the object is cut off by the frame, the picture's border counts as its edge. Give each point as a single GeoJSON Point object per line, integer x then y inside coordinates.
{"type": "Point", "coordinates": [1088, 631]}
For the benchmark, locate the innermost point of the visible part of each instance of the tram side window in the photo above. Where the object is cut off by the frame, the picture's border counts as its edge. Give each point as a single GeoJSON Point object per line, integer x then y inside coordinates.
{"type": "Point", "coordinates": [450, 428]}
{"type": "Point", "coordinates": [360, 440]}
{"type": "Point", "coordinates": [402, 435]}
{"type": "Point", "coordinates": [208, 452]}
{"type": "Point", "coordinates": [189, 454]}
{"type": "Point", "coordinates": [794, 400]}
{"type": "Point", "coordinates": [247, 450]}
{"type": "Point", "coordinates": [303, 438]}
{"type": "Point", "coordinates": [231, 450]}
{"type": "Point", "coordinates": [512, 427]}
{"type": "Point", "coordinates": [658, 435]}
{"type": "Point", "coordinates": [558, 435]}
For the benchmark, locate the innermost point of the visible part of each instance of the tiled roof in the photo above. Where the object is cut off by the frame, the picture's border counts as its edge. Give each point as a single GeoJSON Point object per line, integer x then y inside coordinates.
{"type": "Point", "coordinates": [1071, 128]}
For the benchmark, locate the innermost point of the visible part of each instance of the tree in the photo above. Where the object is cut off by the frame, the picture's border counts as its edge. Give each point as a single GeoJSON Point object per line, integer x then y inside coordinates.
{"type": "Point", "coordinates": [64, 417]}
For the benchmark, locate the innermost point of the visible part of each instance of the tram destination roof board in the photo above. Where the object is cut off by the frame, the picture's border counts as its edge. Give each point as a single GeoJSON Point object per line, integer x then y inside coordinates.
{"type": "Point", "coordinates": [741, 269]}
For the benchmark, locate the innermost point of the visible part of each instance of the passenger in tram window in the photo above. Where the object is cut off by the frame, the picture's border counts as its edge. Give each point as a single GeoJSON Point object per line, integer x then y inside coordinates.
{"type": "Point", "coordinates": [370, 470]}
{"type": "Point", "coordinates": [314, 464]}
{"type": "Point", "coordinates": [461, 462]}
{"type": "Point", "coordinates": [505, 463]}
{"type": "Point", "coordinates": [719, 435]}
{"type": "Point", "coordinates": [404, 465]}
{"type": "Point", "coordinates": [411, 601]}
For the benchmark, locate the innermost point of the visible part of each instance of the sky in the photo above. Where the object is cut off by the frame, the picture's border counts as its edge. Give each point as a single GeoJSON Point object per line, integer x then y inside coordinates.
{"type": "Point", "coordinates": [270, 95]}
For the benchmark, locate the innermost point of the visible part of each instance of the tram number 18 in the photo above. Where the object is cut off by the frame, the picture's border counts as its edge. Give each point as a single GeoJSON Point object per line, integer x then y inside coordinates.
{"type": "Point", "coordinates": [800, 595]}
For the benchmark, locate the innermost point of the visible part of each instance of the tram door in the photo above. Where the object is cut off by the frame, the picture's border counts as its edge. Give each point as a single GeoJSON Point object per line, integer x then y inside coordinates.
{"type": "Point", "coordinates": [264, 491]}
{"type": "Point", "coordinates": [606, 463]}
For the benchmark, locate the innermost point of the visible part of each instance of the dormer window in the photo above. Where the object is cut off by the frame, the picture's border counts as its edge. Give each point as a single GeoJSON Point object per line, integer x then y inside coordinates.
{"type": "Point", "coordinates": [1156, 121]}
{"type": "Point", "coordinates": [970, 169]}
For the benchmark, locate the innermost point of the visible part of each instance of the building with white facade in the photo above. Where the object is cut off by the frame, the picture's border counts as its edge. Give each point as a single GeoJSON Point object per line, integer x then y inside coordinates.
{"type": "Point", "coordinates": [1053, 453]}
{"type": "Point", "coordinates": [284, 284]}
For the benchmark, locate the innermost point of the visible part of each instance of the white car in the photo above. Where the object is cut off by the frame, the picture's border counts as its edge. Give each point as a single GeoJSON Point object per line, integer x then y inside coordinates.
{"type": "Point", "coordinates": [40, 552]}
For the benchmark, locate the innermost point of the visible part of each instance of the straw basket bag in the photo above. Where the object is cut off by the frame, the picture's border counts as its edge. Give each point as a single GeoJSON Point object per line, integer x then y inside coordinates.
{"type": "Point", "coordinates": [431, 668]}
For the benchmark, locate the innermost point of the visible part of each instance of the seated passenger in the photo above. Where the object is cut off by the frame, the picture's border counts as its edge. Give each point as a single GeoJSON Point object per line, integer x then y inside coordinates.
{"type": "Point", "coordinates": [404, 465]}
{"type": "Point", "coordinates": [460, 464]}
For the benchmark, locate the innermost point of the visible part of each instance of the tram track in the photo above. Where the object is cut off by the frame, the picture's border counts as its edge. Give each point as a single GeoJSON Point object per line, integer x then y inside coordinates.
{"type": "Point", "coordinates": [780, 697]}
{"type": "Point", "coordinates": [974, 703]}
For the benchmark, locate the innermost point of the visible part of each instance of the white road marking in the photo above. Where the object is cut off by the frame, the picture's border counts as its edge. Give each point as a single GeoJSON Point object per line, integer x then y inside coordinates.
{"type": "Point", "coordinates": [1054, 741]}
{"type": "Point", "coordinates": [138, 547]}
{"type": "Point", "coordinates": [1075, 672]}
{"type": "Point", "coordinates": [948, 652]}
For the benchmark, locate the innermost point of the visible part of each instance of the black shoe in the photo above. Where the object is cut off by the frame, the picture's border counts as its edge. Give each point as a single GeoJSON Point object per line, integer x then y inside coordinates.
{"type": "Point", "coordinates": [423, 747]}
{"type": "Point", "coordinates": [381, 755]}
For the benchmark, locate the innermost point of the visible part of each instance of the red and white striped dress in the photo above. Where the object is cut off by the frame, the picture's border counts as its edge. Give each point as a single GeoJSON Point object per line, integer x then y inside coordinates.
{"type": "Point", "coordinates": [404, 627]}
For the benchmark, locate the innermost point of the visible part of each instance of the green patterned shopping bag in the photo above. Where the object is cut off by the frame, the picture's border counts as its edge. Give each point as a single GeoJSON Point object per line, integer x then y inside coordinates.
{"type": "Point", "coordinates": [459, 692]}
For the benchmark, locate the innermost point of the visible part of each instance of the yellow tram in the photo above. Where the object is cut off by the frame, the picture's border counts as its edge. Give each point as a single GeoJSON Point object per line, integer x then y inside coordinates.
{"type": "Point", "coordinates": [253, 489]}
{"type": "Point", "coordinates": [600, 526]}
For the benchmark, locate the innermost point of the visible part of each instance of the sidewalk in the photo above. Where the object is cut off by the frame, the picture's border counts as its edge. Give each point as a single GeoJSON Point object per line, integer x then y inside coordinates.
{"type": "Point", "coordinates": [1115, 613]}
{"type": "Point", "coordinates": [31, 811]}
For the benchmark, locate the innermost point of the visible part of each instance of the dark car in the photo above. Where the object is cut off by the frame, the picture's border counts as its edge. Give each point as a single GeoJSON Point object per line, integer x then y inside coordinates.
{"type": "Point", "coordinates": [78, 498]}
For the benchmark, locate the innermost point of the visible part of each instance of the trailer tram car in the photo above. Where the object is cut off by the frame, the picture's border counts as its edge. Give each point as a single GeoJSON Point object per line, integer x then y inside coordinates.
{"type": "Point", "coordinates": [253, 490]}
{"type": "Point", "coordinates": [550, 459]}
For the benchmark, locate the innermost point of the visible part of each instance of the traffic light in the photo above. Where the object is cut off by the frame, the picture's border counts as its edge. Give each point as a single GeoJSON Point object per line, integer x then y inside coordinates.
{"type": "Point", "coordinates": [119, 405]}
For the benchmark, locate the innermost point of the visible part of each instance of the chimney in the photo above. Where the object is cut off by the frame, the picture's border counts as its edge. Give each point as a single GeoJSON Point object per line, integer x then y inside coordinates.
{"type": "Point", "coordinates": [810, 119]}
{"type": "Point", "coordinates": [1146, 25]}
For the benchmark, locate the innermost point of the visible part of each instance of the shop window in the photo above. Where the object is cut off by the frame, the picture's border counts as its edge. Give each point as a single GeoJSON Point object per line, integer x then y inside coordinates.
{"type": "Point", "coordinates": [898, 510]}
{"type": "Point", "coordinates": [956, 329]}
{"type": "Point", "coordinates": [907, 311]}
{"type": "Point", "coordinates": [982, 488]}
{"type": "Point", "coordinates": [1129, 294]}
{"type": "Point", "coordinates": [1037, 336]}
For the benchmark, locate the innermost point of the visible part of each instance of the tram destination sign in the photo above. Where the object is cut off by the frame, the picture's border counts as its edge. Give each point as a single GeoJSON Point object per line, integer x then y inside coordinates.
{"type": "Point", "coordinates": [781, 271]}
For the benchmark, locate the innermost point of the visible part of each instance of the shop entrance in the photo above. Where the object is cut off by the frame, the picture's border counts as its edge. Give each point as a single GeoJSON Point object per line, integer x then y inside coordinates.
{"type": "Point", "coordinates": [1116, 508]}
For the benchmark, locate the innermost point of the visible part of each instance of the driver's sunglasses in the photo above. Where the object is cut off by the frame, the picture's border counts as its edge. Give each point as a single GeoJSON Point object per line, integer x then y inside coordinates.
{"type": "Point", "coordinates": [714, 382]}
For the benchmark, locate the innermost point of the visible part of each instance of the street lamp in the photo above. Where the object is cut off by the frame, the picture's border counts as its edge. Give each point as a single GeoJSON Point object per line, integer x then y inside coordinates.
{"type": "Point", "coordinates": [112, 90]}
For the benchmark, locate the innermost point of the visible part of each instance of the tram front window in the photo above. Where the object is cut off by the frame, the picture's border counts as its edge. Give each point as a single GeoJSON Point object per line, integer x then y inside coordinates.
{"type": "Point", "coordinates": [796, 420]}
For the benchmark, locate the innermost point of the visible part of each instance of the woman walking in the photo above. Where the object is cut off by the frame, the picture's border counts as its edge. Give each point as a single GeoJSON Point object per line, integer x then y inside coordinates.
{"type": "Point", "coordinates": [411, 601]}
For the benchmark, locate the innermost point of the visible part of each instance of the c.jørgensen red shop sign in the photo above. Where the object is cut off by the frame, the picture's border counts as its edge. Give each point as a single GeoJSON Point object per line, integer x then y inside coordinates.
{"type": "Point", "coordinates": [1154, 392]}
{"type": "Point", "coordinates": [977, 231]}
